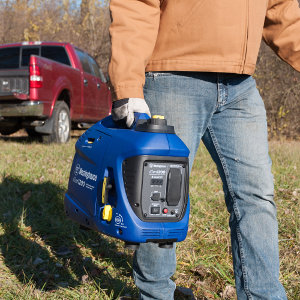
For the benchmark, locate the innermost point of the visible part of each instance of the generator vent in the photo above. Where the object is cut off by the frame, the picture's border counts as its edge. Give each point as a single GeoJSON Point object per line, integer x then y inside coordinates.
{"type": "Point", "coordinates": [151, 232]}
{"type": "Point", "coordinates": [176, 233]}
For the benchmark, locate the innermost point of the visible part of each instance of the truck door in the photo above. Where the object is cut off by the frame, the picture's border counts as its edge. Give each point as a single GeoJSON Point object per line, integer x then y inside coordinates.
{"type": "Point", "coordinates": [89, 86]}
{"type": "Point", "coordinates": [102, 101]}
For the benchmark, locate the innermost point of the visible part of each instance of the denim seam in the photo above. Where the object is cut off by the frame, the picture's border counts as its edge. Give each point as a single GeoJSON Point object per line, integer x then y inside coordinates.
{"type": "Point", "coordinates": [235, 209]}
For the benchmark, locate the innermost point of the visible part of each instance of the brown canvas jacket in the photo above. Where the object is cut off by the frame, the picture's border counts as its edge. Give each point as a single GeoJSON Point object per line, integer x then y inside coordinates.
{"type": "Point", "coordinates": [197, 35]}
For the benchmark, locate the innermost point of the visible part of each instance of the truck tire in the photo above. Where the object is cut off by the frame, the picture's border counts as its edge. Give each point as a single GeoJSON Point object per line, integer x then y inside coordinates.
{"type": "Point", "coordinates": [61, 124]}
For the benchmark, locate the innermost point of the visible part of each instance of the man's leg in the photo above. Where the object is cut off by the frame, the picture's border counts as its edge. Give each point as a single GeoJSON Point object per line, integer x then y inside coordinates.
{"type": "Point", "coordinates": [237, 140]}
{"type": "Point", "coordinates": [187, 102]}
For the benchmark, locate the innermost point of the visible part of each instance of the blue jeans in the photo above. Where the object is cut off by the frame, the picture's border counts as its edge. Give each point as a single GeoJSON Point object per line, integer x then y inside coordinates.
{"type": "Point", "coordinates": [228, 114]}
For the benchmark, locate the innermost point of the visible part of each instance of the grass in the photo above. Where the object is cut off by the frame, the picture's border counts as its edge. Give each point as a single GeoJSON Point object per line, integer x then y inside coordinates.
{"type": "Point", "coordinates": [43, 255]}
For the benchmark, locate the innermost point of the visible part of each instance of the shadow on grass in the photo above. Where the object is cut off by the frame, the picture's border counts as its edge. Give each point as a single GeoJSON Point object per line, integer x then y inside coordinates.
{"type": "Point", "coordinates": [23, 138]}
{"type": "Point", "coordinates": [27, 139]}
{"type": "Point", "coordinates": [18, 139]}
{"type": "Point", "coordinates": [41, 245]}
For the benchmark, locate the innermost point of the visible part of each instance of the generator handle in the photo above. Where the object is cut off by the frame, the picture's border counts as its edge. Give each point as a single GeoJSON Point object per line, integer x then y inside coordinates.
{"type": "Point", "coordinates": [109, 123]}
{"type": "Point", "coordinates": [139, 116]}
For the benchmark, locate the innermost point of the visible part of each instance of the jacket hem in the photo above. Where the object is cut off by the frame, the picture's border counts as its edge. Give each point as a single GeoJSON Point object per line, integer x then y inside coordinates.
{"type": "Point", "coordinates": [200, 66]}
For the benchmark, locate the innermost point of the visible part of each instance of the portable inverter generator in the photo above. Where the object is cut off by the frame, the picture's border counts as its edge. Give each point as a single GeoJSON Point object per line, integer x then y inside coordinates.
{"type": "Point", "coordinates": [131, 184]}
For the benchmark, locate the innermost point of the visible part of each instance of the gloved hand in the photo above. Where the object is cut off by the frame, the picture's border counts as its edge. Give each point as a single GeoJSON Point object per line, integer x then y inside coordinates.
{"type": "Point", "coordinates": [124, 109]}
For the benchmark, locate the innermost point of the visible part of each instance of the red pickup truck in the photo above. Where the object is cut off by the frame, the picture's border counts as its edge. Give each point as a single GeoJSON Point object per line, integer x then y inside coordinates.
{"type": "Point", "coordinates": [47, 87]}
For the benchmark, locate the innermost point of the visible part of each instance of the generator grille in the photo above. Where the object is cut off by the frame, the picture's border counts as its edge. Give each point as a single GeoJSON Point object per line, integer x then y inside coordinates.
{"type": "Point", "coordinates": [175, 233]}
{"type": "Point", "coordinates": [151, 232]}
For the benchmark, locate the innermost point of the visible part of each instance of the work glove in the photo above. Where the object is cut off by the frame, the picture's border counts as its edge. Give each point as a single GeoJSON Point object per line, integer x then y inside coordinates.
{"type": "Point", "coordinates": [124, 109]}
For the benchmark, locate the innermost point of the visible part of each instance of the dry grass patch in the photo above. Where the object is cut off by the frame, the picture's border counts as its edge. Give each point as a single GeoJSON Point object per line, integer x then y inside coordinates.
{"type": "Point", "coordinates": [43, 255]}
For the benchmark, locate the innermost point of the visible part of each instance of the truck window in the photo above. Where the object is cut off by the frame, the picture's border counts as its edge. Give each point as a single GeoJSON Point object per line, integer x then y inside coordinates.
{"type": "Point", "coordinates": [56, 53]}
{"type": "Point", "coordinates": [26, 53]}
{"type": "Point", "coordinates": [97, 70]}
{"type": "Point", "coordinates": [84, 61]}
{"type": "Point", "coordinates": [94, 67]}
{"type": "Point", "coordinates": [9, 58]}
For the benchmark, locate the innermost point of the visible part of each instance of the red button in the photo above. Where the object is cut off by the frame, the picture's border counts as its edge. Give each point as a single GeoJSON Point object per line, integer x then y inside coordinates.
{"type": "Point", "coordinates": [165, 210]}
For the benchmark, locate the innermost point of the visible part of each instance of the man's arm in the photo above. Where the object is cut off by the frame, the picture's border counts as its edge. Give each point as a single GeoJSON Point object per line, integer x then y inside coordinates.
{"type": "Point", "coordinates": [133, 33]}
{"type": "Point", "coordinates": [282, 30]}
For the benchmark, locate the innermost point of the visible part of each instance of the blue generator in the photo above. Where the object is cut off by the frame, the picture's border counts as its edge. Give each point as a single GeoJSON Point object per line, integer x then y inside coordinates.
{"type": "Point", "coordinates": [131, 184]}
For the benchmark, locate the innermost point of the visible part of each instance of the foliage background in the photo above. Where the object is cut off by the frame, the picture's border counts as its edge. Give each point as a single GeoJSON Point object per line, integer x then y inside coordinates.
{"type": "Point", "coordinates": [85, 23]}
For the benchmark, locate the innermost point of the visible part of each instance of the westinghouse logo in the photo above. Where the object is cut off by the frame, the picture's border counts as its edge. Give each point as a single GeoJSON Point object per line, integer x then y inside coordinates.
{"type": "Point", "coordinates": [86, 174]}
{"type": "Point", "coordinates": [77, 168]}
{"type": "Point", "coordinates": [151, 165]}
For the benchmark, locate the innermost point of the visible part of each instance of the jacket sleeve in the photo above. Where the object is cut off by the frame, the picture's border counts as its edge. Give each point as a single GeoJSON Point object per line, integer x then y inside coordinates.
{"type": "Point", "coordinates": [282, 30]}
{"type": "Point", "coordinates": [133, 34]}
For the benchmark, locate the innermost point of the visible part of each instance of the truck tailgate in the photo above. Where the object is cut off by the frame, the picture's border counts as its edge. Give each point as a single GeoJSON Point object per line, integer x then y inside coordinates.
{"type": "Point", "coordinates": [13, 82]}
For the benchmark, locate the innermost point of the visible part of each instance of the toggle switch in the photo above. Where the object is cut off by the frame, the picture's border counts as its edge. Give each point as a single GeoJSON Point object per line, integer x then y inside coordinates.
{"type": "Point", "coordinates": [155, 210]}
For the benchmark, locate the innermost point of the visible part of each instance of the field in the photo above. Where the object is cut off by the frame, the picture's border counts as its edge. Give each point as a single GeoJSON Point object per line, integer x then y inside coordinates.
{"type": "Point", "coordinates": [43, 255]}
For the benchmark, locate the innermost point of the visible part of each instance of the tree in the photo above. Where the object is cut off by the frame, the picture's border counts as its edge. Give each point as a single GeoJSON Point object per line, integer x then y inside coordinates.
{"type": "Point", "coordinates": [279, 86]}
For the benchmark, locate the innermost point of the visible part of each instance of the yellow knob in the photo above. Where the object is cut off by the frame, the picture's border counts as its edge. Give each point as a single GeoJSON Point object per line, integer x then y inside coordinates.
{"type": "Point", "coordinates": [158, 117]}
{"type": "Point", "coordinates": [107, 213]}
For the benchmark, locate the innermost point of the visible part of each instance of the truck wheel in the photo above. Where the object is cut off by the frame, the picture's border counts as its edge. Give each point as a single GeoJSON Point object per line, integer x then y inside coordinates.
{"type": "Point", "coordinates": [61, 124]}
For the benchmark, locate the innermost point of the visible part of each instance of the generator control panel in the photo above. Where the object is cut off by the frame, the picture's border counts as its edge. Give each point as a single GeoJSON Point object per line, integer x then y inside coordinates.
{"type": "Point", "coordinates": [163, 190]}
{"type": "Point", "coordinates": [157, 189]}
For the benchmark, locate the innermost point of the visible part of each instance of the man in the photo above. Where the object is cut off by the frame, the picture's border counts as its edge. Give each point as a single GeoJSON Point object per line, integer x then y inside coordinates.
{"type": "Point", "coordinates": [199, 56]}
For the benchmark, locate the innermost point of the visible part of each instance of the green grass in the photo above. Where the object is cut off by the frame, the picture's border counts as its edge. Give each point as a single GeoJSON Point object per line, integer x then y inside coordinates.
{"type": "Point", "coordinates": [33, 180]}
